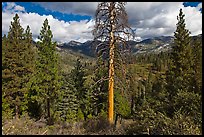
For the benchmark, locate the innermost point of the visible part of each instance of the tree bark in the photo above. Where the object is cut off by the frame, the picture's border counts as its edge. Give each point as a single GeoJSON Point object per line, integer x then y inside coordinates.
{"type": "Point", "coordinates": [111, 68]}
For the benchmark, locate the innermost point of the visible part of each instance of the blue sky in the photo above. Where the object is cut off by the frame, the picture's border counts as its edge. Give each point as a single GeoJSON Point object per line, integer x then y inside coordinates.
{"type": "Point", "coordinates": [74, 20]}
{"type": "Point", "coordinates": [192, 4]}
{"type": "Point", "coordinates": [32, 7]}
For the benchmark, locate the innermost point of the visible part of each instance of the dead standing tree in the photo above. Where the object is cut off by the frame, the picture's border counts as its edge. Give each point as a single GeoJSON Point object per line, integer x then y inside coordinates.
{"type": "Point", "coordinates": [112, 30]}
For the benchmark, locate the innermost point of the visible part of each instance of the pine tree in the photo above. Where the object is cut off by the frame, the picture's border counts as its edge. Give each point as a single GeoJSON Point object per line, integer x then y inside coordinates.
{"type": "Point", "coordinates": [148, 83]}
{"type": "Point", "coordinates": [32, 104]}
{"type": "Point", "coordinates": [78, 78]}
{"type": "Point", "coordinates": [29, 60]}
{"type": "Point", "coordinates": [69, 104]}
{"type": "Point", "coordinates": [4, 43]}
{"type": "Point", "coordinates": [17, 67]}
{"type": "Point", "coordinates": [47, 79]}
{"type": "Point", "coordinates": [112, 30]}
{"type": "Point", "coordinates": [132, 88]}
{"type": "Point", "coordinates": [179, 75]}
{"type": "Point", "coordinates": [90, 103]}
{"type": "Point", "coordinates": [78, 75]}
{"type": "Point", "coordinates": [6, 111]}
{"type": "Point", "coordinates": [100, 86]}
{"type": "Point", "coordinates": [197, 65]}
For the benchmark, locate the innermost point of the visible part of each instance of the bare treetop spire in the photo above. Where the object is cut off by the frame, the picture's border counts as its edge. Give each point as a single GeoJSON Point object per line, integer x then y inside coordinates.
{"type": "Point", "coordinates": [112, 29]}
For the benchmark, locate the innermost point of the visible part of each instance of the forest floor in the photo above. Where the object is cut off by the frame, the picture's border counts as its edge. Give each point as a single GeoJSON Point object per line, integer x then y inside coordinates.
{"type": "Point", "coordinates": [27, 126]}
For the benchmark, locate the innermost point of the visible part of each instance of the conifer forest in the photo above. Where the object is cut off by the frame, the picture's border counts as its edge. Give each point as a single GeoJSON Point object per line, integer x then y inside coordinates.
{"type": "Point", "coordinates": [48, 90]}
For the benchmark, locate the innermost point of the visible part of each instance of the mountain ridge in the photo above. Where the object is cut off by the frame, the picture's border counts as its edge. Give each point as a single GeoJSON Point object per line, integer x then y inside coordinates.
{"type": "Point", "coordinates": [156, 45]}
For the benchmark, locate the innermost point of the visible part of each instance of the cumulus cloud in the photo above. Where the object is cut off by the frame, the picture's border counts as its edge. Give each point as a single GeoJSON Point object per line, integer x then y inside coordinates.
{"type": "Point", "coordinates": [145, 17]}
{"type": "Point", "coordinates": [193, 20]}
{"type": "Point", "coordinates": [148, 19]}
{"type": "Point", "coordinates": [159, 18]}
{"type": "Point", "coordinates": [82, 8]}
{"type": "Point", "coordinates": [62, 31]}
{"type": "Point", "coordinates": [12, 7]}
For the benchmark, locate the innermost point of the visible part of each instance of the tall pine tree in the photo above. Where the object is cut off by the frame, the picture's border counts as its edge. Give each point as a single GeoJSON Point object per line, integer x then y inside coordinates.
{"type": "Point", "coordinates": [179, 75]}
{"type": "Point", "coordinates": [197, 65]}
{"type": "Point", "coordinates": [78, 78]}
{"type": "Point", "coordinates": [47, 79]}
{"type": "Point", "coordinates": [32, 104]}
{"type": "Point", "coordinates": [17, 66]}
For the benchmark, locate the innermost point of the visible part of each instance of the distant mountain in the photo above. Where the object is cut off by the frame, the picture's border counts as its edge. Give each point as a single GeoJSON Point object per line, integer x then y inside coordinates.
{"type": "Point", "coordinates": [156, 40]}
{"type": "Point", "coordinates": [197, 37]}
{"type": "Point", "coordinates": [86, 48]}
{"type": "Point", "coordinates": [156, 45]}
{"type": "Point", "coordinates": [70, 44]}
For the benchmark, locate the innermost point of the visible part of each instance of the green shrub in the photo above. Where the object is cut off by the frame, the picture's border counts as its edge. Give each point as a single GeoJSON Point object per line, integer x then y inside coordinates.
{"type": "Point", "coordinates": [182, 125]}
{"type": "Point", "coordinates": [149, 122]}
{"type": "Point", "coordinates": [80, 115]}
{"type": "Point", "coordinates": [122, 106]}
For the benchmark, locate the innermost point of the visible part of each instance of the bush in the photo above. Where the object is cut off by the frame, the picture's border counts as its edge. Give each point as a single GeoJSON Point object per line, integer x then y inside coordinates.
{"type": "Point", "coordinates": [182, 125]}
{"type": "Point", "coordinates": [144, 120]}
{"type": "Point", "coordinates": [159, 124]}
{"type": "Point", "coordinates": [189, 104]}
{"type": "Point", "coordinates": [96, 124]}
{"type": "Point", "coordinates": [80, 115]}
{"type": "Point", "coordinates": [122, 106]}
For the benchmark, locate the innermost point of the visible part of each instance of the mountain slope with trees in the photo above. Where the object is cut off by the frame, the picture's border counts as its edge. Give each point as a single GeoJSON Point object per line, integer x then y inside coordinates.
{"type": "Point", "coordinates": [48, 89]}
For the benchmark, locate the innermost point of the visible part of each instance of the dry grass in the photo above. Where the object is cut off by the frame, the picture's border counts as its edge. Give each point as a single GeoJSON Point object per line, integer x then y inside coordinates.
{"type": "Point", "coordinates": [27, 126]}
{"type": "Point", "coordinates": [30, 127]}
{"type": "Point", "coordinates": [94, 126]}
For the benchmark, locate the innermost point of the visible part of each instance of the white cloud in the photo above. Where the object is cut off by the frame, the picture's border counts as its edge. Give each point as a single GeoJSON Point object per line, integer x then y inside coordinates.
{"type": "Point", "coordinates": [159, 18]}
{"type": "Point", "coordinates": [150, 19]}
{"type": "Point", "coordinates": [146, 17]}
{"type": "Point", "coordinates": [193, 20]}
{"type": "Point", "coordinates": [62, 31]}
{"type": "Point", "coordinates": [83, 8]}
{"type": "Point", "coordinates": [12, 7]}
{"type": "Point", "coordinates": [19, 8]}
{"type": "Point", "coordinates": [199, 6]}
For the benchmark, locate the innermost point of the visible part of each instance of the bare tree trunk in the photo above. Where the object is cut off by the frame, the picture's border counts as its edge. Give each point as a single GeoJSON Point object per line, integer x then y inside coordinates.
{"type": "Point", "coordinates": [111, 68]}
{"type": "Point", "coordinates": [111, 26]}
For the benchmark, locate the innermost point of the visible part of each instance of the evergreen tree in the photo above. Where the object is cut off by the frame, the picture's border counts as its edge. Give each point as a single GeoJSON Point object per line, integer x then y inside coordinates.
{"type": "Point", "coordinates": [90, 104]}
{"type": "Point", "coordinates": [179, 75]}
{"type": "Point", "coordinates": [32, 104]}
{"type": "Point", "coordinates": [47, 78]}
{"type": "Point", "coordinates": [78, 78]}
{"type": "Point", "coordinates": [29, 60]}
{"type": "Point", "coordinates": [6, 111]}
{"type": "Point", "coordinates": [69, 104]}
{"type": "Point", "coordinates": [100, 87]}
{"type": "Point", "coordinates": [17, 67]}
{"type": "Point", "coordinates": [159, 97]}
{"type": "Point", "coordinates": [197, 65]}
{"type": "Point", "coordinates": [4, 43]}
{"type": "Point", "coordinates": [148, 83]}
{"type": "Point", "coordinates": [78, 75]}
{"type": "Point", "coordinates": [132, 88]}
